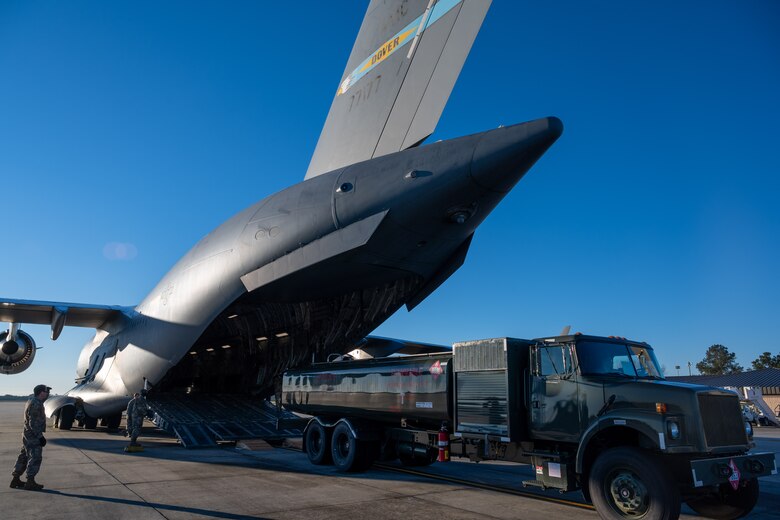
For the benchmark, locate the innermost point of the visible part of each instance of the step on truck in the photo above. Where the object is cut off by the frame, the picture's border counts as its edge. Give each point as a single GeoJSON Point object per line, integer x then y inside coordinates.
{"type": "Point", "coordinates": [589, 413]}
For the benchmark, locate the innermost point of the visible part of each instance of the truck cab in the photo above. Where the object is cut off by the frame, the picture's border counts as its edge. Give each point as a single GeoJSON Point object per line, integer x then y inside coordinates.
{"type": "Point", "coordinates": [586, 386]}
{"type": "Point", "coordinates": [597, 405]}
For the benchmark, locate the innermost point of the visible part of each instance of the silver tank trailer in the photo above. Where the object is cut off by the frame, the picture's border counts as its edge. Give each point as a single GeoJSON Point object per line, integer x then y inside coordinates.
{"type": "Point", "coordinates": [413, 388]}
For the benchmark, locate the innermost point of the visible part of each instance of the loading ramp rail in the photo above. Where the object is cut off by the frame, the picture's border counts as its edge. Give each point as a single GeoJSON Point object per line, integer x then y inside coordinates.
{"type": "Point", "coordinates": [203, 420]}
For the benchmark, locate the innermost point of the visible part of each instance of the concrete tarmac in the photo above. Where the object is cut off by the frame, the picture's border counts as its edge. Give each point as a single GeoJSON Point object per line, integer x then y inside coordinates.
{"type": "Point", "coordinates": [87, 475]}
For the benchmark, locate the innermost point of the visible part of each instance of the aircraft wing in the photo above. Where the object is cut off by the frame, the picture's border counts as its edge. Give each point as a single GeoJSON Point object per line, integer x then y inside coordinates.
{"type": "Point", "coordinates": [57, 314]}
{"type": "Point", "coordinates": [399, 76]}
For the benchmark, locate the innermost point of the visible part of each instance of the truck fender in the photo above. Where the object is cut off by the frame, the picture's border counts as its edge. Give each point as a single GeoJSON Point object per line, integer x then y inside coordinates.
{"type": "Point", "coordinates": [313, 420]}
{"type": "Point", "coordinates": [611, 421]}
{"type": "Point", "coordinates": [360, 429]}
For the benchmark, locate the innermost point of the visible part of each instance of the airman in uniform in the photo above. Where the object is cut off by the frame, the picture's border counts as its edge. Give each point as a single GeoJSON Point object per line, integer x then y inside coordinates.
{"type": "Point", "coordinates": [136, 411]}
{"type": "Point", "coordinates": [33, 441]}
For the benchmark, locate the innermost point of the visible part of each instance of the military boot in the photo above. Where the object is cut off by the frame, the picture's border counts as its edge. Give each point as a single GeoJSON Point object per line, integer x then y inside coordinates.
{"type": "Point", "coordinates": [31, 485]}
{"type": "Point", "coordinates": [17, 483]}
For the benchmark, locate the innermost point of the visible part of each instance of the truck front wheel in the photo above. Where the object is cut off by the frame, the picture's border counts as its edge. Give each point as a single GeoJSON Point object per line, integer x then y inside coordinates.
{"type": "Point", "coordinates": [626, 482]}
{"type": "Point", "coordinates": [728, 503]}
{"type": "Point", "coordinates": [318, 444]}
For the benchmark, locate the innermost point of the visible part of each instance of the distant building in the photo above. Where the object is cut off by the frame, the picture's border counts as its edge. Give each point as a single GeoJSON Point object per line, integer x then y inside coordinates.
{"type": "Point", "coordinates": [767, 380]}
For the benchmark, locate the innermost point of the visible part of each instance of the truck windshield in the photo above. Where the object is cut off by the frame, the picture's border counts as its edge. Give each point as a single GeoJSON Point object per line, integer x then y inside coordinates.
{"type": "Point", "coordinates": [617, 359]}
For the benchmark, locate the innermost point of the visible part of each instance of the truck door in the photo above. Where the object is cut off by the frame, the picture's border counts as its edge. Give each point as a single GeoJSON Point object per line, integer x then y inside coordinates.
{"type": "Point", "coordinates": [553, 400]}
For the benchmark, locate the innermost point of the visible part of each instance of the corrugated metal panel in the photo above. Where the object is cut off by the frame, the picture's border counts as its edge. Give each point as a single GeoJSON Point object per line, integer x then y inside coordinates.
{"type": "Point", "coordinates": [486, 354]}
{"type": "Point", "coordinates": [482, 402]}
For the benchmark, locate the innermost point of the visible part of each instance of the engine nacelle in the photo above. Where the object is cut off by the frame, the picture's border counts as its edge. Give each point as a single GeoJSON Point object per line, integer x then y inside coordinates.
{"type": "Point", "coordinates": [16, 355]}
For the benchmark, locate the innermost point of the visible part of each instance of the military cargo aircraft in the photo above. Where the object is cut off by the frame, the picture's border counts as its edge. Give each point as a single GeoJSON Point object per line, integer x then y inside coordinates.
{"type": "Point", "coordinates": [379, 221]}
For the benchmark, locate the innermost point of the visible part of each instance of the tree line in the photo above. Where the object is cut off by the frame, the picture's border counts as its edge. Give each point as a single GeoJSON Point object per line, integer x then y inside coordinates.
{"type": "Point", "coordinates": [719, 361]}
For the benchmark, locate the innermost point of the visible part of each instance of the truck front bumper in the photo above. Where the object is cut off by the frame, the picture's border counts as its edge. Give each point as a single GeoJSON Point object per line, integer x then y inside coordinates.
{"type": "Point", "coordinates": [732, 470]}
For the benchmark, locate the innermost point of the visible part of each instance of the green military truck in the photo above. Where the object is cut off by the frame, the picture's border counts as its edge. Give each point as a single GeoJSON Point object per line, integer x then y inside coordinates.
{"type": "Point", "coordinates": [590, 413]}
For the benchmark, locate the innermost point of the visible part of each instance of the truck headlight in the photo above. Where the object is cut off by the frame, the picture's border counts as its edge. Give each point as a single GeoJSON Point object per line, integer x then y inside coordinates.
{"type": "Point", "coordinates": [748, 430]}
{"type": "Point", "coordinates": [674, 430]}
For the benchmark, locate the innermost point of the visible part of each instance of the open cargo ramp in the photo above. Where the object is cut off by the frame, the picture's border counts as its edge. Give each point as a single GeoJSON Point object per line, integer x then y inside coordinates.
{"type": "Point", "coordinates": [203, 420]}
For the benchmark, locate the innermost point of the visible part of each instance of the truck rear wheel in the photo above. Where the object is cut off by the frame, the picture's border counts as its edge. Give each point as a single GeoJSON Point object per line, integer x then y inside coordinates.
{"type": "Point", "coordinates": [318, 444]}
{"type": "Point", "coordinates": [626, 482]}
{"type": "Point", "coordinates": [348, 452]}
{"type": "Point", "coordinates": [727, 504]}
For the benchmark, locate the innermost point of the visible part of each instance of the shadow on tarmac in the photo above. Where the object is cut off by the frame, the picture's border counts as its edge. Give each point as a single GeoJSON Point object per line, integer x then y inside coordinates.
{"type": "Point", "coordinates": [154, 505]}
{"type": "Point", "coordinates": [277, 459]}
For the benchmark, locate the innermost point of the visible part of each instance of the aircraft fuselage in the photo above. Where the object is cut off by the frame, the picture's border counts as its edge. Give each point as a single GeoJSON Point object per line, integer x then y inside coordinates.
{"type": "Point", "coordinates": [311, 268]}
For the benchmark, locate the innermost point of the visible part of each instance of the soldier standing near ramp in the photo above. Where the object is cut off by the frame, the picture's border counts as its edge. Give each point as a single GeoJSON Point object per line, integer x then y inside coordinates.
{"type": "Point", "coordinates": [33, 441]}
{"type": "Point", "coordinates": [136, 411]}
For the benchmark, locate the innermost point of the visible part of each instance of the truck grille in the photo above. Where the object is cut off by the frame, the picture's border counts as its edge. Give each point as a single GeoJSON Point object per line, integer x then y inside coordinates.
{"type": "Point", "coordinates": [722, 420]}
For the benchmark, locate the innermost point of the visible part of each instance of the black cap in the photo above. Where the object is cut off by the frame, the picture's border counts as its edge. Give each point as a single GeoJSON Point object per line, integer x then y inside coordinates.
{"type": "Point", "coordinates": [41, 388]}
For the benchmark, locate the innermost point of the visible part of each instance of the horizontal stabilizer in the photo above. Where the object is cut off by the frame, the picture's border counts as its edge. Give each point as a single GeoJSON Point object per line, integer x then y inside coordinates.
{"type": "Point", "coordinates": [377, 346]}
{"type": "Point", "coordinates": [329, 246]}
{"type": "Point", "coordinates": [399, 76]}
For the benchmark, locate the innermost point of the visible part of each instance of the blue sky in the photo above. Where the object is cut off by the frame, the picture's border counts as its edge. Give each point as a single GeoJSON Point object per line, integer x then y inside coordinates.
{"type": "Point", "coordinates": [655, 216]}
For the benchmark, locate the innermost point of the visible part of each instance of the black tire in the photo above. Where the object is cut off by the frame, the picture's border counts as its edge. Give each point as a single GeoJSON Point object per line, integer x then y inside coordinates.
{"type": "Point", "coordinates": [348, 453]}
{"type": "Point", "coordinates": [318, 444]}
{"type": "Point", "coordinates": [90, 423]}
{"type": "Point", "coordinates": [727, 504]}
{"type": "Point", "coordinates": [67, 416]}
{"type": "Point", "coordinates": [630, 483]}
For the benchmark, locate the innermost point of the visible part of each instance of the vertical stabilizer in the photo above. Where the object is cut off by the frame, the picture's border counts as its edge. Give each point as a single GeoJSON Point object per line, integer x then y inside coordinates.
{"type": "Point", "coordinates": [399, 76]}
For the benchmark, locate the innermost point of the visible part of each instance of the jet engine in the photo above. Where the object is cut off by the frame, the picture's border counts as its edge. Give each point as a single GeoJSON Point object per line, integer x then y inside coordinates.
{"type": "Point", "coordinates": [17, 353]}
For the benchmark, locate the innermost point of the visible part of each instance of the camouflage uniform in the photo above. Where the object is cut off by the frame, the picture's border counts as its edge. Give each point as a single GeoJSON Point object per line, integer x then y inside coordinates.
{"type": "Point", "coordinates": [32, 452]}
{"type": "Point", "coordinates": [136, 411]}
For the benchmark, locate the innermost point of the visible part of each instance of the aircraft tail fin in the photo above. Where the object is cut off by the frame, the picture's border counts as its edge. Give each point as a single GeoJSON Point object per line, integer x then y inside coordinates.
{"type": "Point", "coordinates": [404, 64]}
